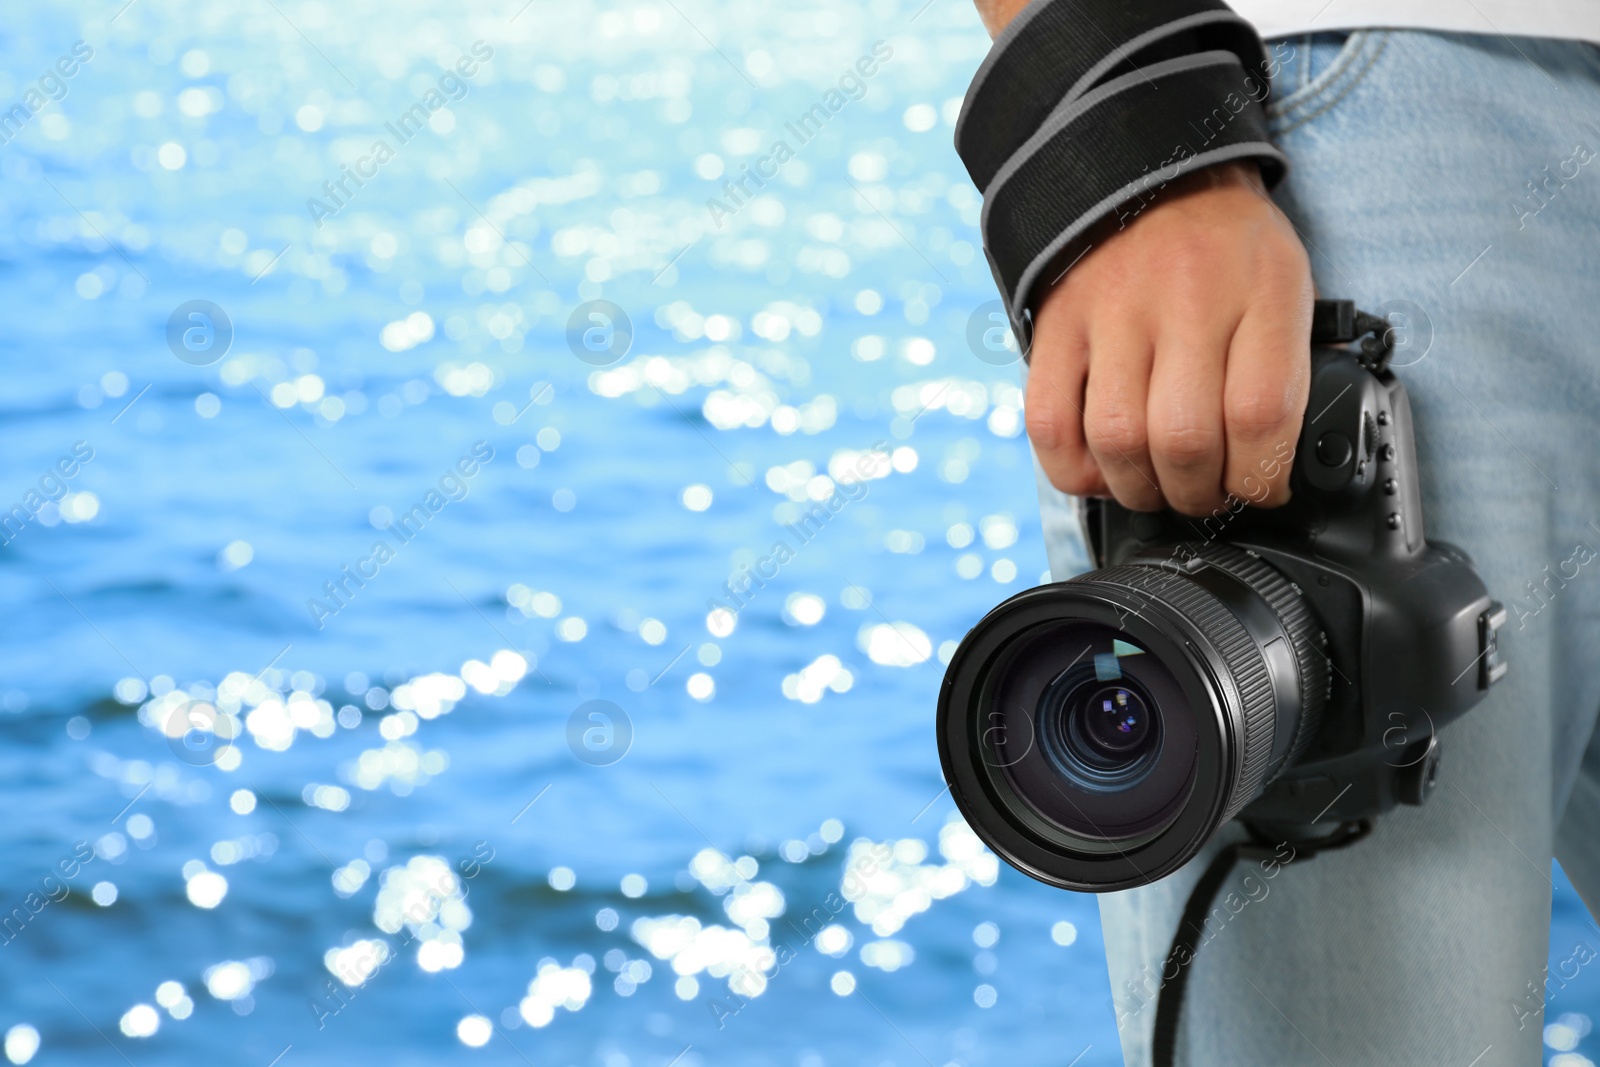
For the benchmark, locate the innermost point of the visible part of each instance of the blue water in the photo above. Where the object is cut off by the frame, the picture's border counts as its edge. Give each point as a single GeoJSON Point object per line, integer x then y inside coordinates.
{"type": "Point", "coordinates": [383, 823]}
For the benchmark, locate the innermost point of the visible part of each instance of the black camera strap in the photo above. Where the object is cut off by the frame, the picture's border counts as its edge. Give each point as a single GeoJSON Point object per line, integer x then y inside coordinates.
{"type": "Point", "coordinates": [1082, 113]}
{"type": "Point", "coordinates": [1106, 156]}
{"type": "Point", "coordinates": [1053, 53]}
{"type": "Point", "coordinates": [1186, 941]}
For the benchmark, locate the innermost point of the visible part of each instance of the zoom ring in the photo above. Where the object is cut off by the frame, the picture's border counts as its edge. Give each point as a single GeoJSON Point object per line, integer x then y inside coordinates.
{"type": "Point", "coordinates": [1305, 635]}
{"type": "Point", "coordinates": [1246, 670]}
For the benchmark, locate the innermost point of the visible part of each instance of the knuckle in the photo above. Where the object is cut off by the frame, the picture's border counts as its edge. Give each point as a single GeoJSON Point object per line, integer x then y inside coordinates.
{"type": "Point", "coordinates": [1186, 447]}
{"type": "Point", "coordinates": [1050, 426]}
{"type": "Point", "coordinates": [1258, 411]}
{"type": "Point", "coordinates": [1116, 433]}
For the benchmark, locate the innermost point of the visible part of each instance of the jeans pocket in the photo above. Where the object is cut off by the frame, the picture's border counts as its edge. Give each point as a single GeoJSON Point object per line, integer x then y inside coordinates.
{"type": "Point", "coordinates": [1312, 72]}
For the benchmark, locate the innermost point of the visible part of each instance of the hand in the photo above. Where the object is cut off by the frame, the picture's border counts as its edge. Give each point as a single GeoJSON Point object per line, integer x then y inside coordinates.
{"type": "Point", "coordinates": [1170, 366]}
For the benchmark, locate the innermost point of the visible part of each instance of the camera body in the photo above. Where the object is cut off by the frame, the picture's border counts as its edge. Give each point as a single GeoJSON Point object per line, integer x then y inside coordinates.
{"type": "Point", "coordinates": [1406, 624]}
{"type": "Point", "coordinates": [1289, 667]}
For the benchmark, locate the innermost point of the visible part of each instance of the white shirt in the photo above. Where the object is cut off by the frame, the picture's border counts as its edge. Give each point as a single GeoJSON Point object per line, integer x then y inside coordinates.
{"type": "Point", "coordinates": [1572, 19]}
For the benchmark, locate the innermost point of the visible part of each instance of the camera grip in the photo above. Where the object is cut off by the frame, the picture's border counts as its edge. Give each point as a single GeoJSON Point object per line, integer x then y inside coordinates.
{"type": "Point", "coordinates": [1357, 461]}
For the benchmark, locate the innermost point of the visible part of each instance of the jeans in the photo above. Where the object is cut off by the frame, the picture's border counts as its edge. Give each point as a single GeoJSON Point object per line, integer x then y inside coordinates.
{"type": "Point", "coordinates": [1452, 180]}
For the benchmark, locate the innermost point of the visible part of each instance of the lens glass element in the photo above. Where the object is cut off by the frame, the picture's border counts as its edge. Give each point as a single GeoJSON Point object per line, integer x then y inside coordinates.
{"type": "Point", "coordinates": [1097, 735]}
{"type": "Point", "coordinates": [1091, 731]}
{"type": "Point", "coordinates": [1116, 721]}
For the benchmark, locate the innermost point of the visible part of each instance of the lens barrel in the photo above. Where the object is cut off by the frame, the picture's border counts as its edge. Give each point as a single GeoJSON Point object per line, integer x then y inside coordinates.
{"type": "Point", "coordinates": [1096, 732]}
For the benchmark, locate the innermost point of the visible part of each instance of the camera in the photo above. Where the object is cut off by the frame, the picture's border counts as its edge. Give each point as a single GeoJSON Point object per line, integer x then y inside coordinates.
{"type": "Point", "coordinates": [1286, 667]}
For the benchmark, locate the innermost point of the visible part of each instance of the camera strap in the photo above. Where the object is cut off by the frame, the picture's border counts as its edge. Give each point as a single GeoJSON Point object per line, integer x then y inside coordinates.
{"type": "Point", "coordinates": [1082, 113]}
{"type": "Point", "coordinates": [1186, 940]}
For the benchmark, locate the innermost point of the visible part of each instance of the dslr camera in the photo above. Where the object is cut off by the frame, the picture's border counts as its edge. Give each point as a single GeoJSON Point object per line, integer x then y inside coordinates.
{"type": "Point", "coordinates": [1288, 668]}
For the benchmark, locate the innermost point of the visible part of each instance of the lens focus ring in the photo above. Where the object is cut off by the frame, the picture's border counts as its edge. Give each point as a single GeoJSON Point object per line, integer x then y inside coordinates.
{"type": "Point", "coordinates": [1301, 626]}
{"type": "Point", "coordinates": [1245, 669]}
{"type": "Point", "coordinates": [1254, 714]}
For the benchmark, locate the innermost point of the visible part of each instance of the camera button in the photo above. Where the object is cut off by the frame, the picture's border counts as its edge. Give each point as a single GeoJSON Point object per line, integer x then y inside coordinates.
{"type": "Point", "coordinates": [1491, 666]}
{"type": "Point", "coordinates": [1333, 449]}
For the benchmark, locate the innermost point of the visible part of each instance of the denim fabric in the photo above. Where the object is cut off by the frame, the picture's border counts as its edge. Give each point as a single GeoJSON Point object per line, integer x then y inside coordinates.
{"type": "Point", "coordinates": [1436, 176]}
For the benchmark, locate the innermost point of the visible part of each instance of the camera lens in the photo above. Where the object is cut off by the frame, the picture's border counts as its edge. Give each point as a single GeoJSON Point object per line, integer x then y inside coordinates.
{"type": "Point", "coordinates": [1096, 732]}
{"type": "Point", "coordinates": [1076, 737]}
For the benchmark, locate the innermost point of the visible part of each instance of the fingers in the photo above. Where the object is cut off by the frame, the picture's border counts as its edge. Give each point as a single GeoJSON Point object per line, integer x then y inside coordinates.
{"type": "Point", "coordinates": [1186, 433]}
{"type": "Point", "coordinates": [1170, 367]}
{"type": "Point", "coordinates": [1058, 365]}
{"type": "Point", "coordinates": [1264, 398]}
{"type": "Point", "coordinates": [1115, 422]}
